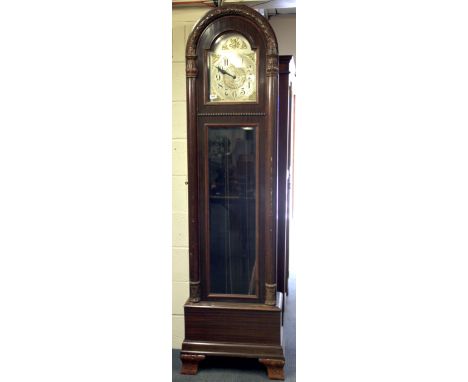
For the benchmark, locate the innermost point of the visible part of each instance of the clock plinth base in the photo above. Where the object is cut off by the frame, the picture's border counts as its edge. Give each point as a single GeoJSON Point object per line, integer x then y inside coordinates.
{"type": "Point", "coordinates": [275, 368]}
{"type": "Point", "coordinates": [231, 329]}
{"type": "Point", "coordinates": [190, 363]}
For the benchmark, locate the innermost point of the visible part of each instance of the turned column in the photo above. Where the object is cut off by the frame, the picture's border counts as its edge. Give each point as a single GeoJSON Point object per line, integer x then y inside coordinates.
{"type": "Point", "coordinates": [270, 178]}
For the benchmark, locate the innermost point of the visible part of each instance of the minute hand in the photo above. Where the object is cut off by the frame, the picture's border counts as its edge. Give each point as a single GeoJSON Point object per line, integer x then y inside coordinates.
{"type": "Point", "coordinates": [224, 72]}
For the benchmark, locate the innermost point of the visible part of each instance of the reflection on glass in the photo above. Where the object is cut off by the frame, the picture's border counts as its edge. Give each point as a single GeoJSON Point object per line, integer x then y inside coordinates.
{"type": "Point", "coordinates": [232, 186]}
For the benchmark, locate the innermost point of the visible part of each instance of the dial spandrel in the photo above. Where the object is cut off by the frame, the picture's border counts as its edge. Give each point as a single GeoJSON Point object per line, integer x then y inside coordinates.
{"type": "Point", "coordinates": [232, 68]}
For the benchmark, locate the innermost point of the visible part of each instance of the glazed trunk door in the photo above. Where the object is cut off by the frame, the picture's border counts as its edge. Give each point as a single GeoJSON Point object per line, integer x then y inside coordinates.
{"type": "Point", "coordinates": [231, 208]}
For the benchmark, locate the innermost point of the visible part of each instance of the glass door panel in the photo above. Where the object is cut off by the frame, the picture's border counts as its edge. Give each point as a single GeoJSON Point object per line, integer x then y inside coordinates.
{"type": "Point", "coordinates": [232, 190]}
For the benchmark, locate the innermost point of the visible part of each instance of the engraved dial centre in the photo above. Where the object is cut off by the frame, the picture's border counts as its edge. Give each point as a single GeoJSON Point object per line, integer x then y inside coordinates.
{"type": "Point", "coordinates": [235, 81]}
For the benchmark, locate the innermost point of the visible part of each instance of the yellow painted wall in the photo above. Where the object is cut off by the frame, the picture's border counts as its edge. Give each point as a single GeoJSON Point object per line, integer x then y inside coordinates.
{"type": "Point", "coordinates": [182, 22]}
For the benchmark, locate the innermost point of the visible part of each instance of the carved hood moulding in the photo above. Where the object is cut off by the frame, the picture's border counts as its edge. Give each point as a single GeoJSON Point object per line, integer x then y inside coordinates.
{"type": "Point", "coordinates": [230, 10]}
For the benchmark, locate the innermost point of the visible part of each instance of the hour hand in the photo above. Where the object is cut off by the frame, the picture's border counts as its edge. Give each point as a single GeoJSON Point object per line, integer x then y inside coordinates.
{"type": "Point", "coordinates": [225, 72]}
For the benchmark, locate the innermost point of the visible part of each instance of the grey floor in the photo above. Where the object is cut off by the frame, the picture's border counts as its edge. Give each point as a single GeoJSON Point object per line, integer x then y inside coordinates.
{"type": "Point", "coordinates": [218, 369]}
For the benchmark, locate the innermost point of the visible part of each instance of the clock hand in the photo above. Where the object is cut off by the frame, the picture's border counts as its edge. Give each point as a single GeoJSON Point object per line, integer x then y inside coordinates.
{"type": "Point", "coordinates": [224, 72]}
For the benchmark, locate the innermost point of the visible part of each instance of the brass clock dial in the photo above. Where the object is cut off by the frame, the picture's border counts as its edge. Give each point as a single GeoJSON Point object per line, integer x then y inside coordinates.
{"type": "Point", "coordinates": [232, 70]}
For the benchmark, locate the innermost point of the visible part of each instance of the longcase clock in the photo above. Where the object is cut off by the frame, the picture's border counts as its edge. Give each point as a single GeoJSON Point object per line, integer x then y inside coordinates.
{"type": "Point", "coordinates": [235, 308]}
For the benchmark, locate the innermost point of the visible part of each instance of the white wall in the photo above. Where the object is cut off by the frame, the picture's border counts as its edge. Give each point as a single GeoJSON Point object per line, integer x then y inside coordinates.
{"type": "Point", "coordinates": [285, 30]}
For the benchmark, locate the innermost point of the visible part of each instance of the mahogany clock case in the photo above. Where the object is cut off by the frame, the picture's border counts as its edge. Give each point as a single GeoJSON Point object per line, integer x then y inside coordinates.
{"type": "Point", "coordinates": [234, 324]}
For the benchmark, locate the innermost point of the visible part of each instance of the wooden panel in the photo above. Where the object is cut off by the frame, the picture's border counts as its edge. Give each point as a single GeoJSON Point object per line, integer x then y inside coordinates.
{"type": "Point", "coordinates": [284, 153]}
{"type": "Point", "coordinates": [213, 324]}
